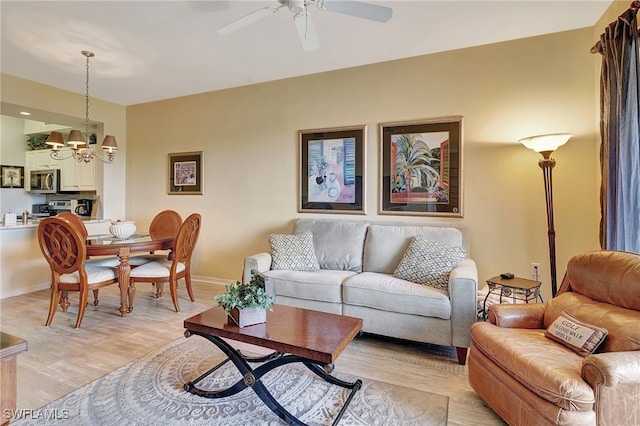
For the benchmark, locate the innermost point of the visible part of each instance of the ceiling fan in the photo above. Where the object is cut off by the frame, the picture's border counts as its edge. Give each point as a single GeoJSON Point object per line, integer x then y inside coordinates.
{"type": "Point", "coordinates": [302, 18]}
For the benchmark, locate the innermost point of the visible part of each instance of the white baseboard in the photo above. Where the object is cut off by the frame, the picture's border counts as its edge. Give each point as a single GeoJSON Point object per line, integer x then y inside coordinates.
{"type": "Point", "coordinates": [24, 290]}
{"type": "Point", "coordinates": [211, 280]}
{"type": "Point", "coordinates": [38, 287]}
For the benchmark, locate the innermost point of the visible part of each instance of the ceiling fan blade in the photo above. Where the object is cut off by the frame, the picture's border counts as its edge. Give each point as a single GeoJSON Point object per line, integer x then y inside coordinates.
{"type": "Point", "coordinates": [358, 9]}
{"type": "Point", "coordinates": [248, 19]}
{"type": "Point", "coordinates": [306, 32]}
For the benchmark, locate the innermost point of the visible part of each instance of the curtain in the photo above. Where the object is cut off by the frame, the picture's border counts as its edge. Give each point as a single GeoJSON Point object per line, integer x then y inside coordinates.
{"type": "Point", "coordinates": [620, 133]}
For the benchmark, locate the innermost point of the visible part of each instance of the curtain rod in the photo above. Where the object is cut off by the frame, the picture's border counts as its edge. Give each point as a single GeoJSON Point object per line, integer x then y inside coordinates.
{"type": "Point", "coordinates": [631, 13]}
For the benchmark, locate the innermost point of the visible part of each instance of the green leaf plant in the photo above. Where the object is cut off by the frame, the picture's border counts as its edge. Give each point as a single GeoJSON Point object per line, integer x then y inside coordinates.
{"type": "Point", "coordinates": [239, 295]}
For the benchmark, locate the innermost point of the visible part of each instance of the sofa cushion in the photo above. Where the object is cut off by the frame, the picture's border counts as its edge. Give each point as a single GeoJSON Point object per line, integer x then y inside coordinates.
{"type": "Point", "coordinates": [293, 252]}
{"type": "Point", "coordinates": [385, 292]}
{"type": "Point", "coordinates": [606, 276]}
{"type": "Point", "coordinates": [324, 285]}
{"type": "Point", "coordinates": [429, 262]}
{"type": "Point", "coordinates": [548, 369]}
{"type": "Point", "coordinates": [580, 337]}
{"type": "Point", "coordinates": [622, 323]}
{"type": "Point", "coordinates": [338, 244]}
{"type": "Point", "coordinates": [386, 244]}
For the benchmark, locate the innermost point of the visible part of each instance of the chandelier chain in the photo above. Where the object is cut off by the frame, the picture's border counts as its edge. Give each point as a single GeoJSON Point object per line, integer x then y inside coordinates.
{"type": "Point", "coordinates": [86, 123]}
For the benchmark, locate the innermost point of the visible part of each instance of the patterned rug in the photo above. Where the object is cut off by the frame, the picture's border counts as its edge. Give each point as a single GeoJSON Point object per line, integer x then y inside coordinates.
{"type": "Point", "coordinates": [149, 391]}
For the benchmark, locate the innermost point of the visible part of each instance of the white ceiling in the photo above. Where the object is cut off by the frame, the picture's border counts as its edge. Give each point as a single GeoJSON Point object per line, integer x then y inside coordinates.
{"type": "Point", "coordinates": [151, 50]}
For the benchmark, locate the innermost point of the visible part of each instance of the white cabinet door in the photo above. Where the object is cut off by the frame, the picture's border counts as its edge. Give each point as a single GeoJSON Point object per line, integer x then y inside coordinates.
{"type": "Point", "coordinates": [76, 176]}
{"type": "Point", "coordinates": [41, 160]}
{"type": "Point", "coordinates": [86, 175]}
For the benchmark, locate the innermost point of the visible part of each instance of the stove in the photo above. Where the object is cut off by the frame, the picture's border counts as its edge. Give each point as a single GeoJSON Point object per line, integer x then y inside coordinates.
{"type": "Point", "coordinates": [58, 206]}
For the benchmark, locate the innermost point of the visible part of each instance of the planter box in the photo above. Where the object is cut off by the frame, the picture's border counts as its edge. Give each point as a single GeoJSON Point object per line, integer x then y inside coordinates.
{"type": "Point", "coordinates": [247, 316]}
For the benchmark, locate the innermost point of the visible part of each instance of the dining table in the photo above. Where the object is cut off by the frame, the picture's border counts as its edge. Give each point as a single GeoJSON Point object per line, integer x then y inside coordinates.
{"type": "Point", "coordinates": [107, 245]}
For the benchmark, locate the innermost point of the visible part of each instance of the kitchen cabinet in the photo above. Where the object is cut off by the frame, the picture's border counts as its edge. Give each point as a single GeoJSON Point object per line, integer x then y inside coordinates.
{"type": "Point", "coordinates": [41, 160]}
{"type": "Point", "coordinates": [77, 176]}
{"type": "Point", "coordinates": [38, 160]}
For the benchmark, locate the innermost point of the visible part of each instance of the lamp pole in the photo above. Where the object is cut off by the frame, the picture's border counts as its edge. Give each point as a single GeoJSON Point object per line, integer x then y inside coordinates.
{"type": "Point", "coordinates": [547, 164]}
{"type": "Point", "coordinates": [545, 145]}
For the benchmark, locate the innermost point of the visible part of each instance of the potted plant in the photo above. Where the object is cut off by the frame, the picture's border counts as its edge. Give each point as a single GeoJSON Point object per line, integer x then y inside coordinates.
{"type": "Point", "coordinates": [246, 304]}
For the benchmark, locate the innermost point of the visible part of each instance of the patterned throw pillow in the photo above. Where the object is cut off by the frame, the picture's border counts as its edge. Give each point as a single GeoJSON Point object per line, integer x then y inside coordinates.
{"type": "Point", "coordinates": [293, 252]}
{"type": "Point", "coordinates": [429, 262]}
{"type": "Point", "coordinates": [577, 335]}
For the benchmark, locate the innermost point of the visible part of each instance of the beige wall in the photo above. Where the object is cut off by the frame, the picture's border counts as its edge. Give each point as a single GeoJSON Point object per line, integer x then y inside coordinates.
{"type": "Point", "coordinates": [505, 91]}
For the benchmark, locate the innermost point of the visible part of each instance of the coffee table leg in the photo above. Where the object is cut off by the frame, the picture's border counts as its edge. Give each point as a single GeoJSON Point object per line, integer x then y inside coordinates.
{"type": "Point", "coordinates": [251, 378]}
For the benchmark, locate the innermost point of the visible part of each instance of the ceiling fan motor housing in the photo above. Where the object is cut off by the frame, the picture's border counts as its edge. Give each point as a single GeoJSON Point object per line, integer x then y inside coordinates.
{"type": "Point", "coordinates": [296, 6]}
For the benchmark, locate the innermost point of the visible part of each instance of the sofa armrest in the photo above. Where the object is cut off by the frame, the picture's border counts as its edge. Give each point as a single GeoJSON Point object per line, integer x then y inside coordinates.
{"type": "Point", "coordinates": [612, 368]}
{"type": "Point", "coordinates": [463, 289]}
{"type": "Point", "coordinates": [522, 315]}
{"type": "Point", "coordinates": [260, 262]}
{"type": "Point", "coordinates": [615, 379]}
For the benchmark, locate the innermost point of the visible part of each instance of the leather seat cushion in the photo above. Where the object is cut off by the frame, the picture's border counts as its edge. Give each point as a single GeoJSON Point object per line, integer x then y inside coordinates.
{"type": "Point", "coordinates": [545, 367]}
{"type": "Point", "coordinates": [621, 323]}
{"type": "Point", "coordinates": [385, 292]}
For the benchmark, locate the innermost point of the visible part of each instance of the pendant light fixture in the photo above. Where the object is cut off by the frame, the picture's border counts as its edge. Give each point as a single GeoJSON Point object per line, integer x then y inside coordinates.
{"type": "Point", "coordinates": [79, 148]}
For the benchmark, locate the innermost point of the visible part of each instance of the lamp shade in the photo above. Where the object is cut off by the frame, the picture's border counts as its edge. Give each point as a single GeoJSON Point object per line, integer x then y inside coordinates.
{"type": "Point", "coordinates": [546, 143]}
{"type": "Point", "coordinates": [76, 139]}
{"type": "Point", "coordinates": [109, 144]}
{"type": "Point", "coordinates": [55, 140]}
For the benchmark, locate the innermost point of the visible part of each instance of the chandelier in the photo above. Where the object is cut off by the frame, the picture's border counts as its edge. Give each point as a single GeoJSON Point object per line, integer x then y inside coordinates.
{"type": "Point", "coordinates": [79, 148]}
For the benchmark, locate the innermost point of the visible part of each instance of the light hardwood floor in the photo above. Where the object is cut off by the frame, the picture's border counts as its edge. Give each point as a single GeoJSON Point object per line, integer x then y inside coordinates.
{"type": "Point", "coordinates": [61, 359]}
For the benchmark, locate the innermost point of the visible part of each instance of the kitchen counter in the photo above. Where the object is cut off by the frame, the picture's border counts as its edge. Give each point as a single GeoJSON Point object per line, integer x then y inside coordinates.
{"type": "Point", "coordinates": [33, 223]}
{"type": "Point", "coordinates": [23, 268]}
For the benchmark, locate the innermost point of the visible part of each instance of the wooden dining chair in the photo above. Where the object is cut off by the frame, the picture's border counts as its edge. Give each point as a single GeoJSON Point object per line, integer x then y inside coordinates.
{"type": "Point", "coordinates": [110, 261]}
{"type": "Point", "coordinates": [64, 247]}
{"type": "Point", "coordinates": [76, 221]}
{"type": "Point", "coordinates": [162, 271]}
{"type": "Point", "coordinates": [165, 224]}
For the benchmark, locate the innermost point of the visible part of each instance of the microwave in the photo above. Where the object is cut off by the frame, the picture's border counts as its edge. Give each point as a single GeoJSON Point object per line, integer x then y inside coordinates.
{"type": "Point", "coordinates": [44, 181]}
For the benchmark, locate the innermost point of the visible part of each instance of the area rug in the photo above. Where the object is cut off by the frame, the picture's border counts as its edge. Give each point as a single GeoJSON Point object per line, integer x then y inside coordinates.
{"type": "Point", "coordinates": [149, 391]}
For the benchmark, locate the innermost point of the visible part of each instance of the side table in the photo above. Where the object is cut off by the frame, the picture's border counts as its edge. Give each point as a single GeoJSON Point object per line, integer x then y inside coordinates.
{"type": "Point", "coordinates": [514, 288]}
{"type": "Point", "coordinates": [10, 348]}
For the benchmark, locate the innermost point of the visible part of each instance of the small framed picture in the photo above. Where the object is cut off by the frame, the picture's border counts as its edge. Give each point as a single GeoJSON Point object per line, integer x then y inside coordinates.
{"type": "Point", "coordinates": [12, 176]}
{"type": "Point", "coordinates": [185, 173]}
{"type": "Point", "coordinates": [332, 170]}
{"type": "Point", "coordinates": [421, 167]}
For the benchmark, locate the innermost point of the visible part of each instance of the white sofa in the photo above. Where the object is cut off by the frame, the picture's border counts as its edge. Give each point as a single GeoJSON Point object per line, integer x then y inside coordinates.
{"type": "Point", "coordinates": [357, 260]}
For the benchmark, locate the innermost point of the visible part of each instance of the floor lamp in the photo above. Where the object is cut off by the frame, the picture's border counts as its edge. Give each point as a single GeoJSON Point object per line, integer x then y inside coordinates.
{"type": "Point", "coordinates": [545, 145]}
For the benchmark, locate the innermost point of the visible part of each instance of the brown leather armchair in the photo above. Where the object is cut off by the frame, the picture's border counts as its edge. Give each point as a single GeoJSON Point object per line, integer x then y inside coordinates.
{"type": "Point", "coordinates": [529, 379]}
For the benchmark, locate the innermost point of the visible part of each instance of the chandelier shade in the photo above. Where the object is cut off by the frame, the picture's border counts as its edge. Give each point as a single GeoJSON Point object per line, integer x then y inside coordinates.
{"type": "Point", "coordinates": [109, 144]}
{"type": "Point", "coordinates": [54, 140]}
{"type": "Point", "coordinates": [76, 139]}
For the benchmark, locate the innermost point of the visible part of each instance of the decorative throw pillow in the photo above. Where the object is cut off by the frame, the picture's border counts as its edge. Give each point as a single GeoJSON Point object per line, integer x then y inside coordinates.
{"type": "Point", "coordinates": [578, 336]}
{"type": "Point", "coordinates": [293, 252]}
{"type": "Point", "coordinates": [429, 262]}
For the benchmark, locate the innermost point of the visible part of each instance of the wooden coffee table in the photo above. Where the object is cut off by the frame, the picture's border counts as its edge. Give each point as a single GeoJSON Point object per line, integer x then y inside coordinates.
{"type": "Point", "coordinates": [313, 338]}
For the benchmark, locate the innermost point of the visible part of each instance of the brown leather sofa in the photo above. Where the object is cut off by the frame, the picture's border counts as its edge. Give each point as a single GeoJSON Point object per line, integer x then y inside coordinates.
{"type": "Point", "coordinates": [529, 379]}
